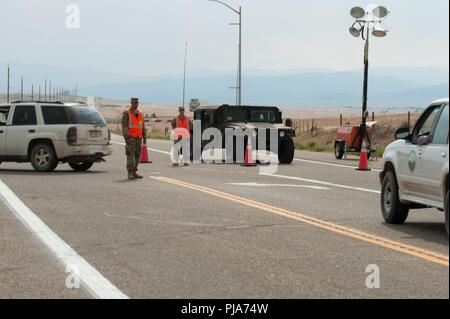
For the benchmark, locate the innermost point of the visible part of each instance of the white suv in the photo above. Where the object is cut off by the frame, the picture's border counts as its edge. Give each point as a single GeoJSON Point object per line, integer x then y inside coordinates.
{"type": "Point", "coordinates": [415, 167]}
{"type": "Point", "coordinates": [46, 134]}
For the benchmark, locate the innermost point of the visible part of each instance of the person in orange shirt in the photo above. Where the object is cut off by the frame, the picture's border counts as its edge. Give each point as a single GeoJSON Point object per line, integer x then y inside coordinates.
{"type": "Point", "coordinates": [134, 133]}
{"type": "Point", "coordinates": [181, 126]}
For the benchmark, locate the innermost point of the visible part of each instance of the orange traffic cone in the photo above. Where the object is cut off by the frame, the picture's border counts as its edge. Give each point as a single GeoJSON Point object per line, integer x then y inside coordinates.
{"type": "Point", "coordinates": [248, 161]}
{"type": "Point", "coordinates": [144, 155]}
{"type": "Point", "coordinates": [363, 160]}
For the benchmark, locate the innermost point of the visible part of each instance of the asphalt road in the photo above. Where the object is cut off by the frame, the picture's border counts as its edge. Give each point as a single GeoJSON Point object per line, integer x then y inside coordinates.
{"type": "Point", "coordinates": [217, 231]}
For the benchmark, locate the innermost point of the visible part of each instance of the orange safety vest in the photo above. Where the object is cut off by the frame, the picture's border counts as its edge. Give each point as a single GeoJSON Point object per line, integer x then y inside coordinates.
{"type": "Point", "coordinates": [182, 129]}
{"type": "Point", "coordinates": [136, 124]}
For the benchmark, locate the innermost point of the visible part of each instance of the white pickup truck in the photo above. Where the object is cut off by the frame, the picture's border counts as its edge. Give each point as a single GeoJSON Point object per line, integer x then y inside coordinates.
{"type": "Point", "coordinates": [47, 134]}
{"type": "Point", "coordinates": [415, 167]}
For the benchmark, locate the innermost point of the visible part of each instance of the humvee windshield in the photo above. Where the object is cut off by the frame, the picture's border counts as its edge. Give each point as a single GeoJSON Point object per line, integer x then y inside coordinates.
{"type": "Point", "coordinates": [235, 115]}
{"type": "Point", "coordinates": [241, 115]}
{"type": "Point", "coordinates": [263, 116]}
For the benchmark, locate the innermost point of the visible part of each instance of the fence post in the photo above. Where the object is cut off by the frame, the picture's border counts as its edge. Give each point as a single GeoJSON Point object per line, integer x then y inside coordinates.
{"type": "Point", "coordinates": [373, 116]}
{"type": "Point", "coordinates": [409, 119]}
{"type": "Point", "coordinates": [340, 119]}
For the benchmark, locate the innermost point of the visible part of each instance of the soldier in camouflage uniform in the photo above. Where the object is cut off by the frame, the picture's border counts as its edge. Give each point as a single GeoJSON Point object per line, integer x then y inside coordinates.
{"type": "Point", "coordinates": [134, 133]}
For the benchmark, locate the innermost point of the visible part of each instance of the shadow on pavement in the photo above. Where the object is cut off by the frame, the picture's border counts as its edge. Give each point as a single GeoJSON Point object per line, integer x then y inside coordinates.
{"type": "Point", "coordinates": [31, 172]}
{"type": "Point", "coordinates": [431, 232]}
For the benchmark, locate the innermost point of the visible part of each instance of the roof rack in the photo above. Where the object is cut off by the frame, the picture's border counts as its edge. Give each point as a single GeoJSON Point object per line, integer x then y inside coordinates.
{"type": "Point", "coordinates": [46, 102]}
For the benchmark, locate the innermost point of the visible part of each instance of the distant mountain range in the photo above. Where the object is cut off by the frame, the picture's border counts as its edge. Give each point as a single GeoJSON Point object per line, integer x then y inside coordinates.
{"type": "Point", "coordinates": [389, 86]}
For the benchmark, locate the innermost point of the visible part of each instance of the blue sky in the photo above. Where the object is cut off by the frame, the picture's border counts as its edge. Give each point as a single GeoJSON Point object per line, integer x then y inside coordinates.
{"type": "Point", "coordinates": [146, 37]}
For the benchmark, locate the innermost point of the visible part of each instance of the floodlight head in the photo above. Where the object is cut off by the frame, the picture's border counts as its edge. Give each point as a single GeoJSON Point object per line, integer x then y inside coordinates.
{"type": "Point", "coordinates": [357, 12]}
{"type": "Point", "coordinates": [378, 31]}
{"type": "Point", "coordinates": [355, 32]}
{"type": "Point", "coordinates": [380, 12]}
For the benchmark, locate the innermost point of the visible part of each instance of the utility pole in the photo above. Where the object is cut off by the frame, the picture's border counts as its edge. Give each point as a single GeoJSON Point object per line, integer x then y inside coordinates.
{"type": "Point", "coordinates": [8, 85]}
{"type": "Point", "coordinates": [184, 76]}
{"type": "Point", "coordinates": [32, 92]}
{"type": "Point", "coordinates": [40, 92]}
{"type": "Point", "coordinates": [50, 91]}
{"type": "Point", "coordinates": [240, 57]}
{"type": "Point", "coordinates": [21, 88]}
{"type": "Point", "coordinates": [45, 91]}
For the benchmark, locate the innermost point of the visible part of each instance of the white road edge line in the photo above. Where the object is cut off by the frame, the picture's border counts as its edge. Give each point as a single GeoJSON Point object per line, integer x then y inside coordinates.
{"type": "Point", "coordinates": [89, 277]}
{"type": "Point", "coordinates": [331, 164]}
{"type": "Point", "coordinates": [324, 183]}
{"type": "Point", "coordinates": [251, 184]}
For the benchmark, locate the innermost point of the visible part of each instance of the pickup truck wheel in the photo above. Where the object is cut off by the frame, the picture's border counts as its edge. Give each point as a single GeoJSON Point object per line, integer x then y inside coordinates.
{"type": "Point", "coordinates": [81, 166]}
{"type": "Point", "coordinates": [43, 158]}
{"type": "Point", "coordinates": [339, 150]}
{"type": "Point", "coordinates": [286, 151]}
{"type": "Point", "coordinates": [446, 212]}
{"type": "Point", "coordinates": [394, 212]}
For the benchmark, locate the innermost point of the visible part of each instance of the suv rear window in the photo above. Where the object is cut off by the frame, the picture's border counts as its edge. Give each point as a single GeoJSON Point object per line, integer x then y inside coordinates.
{"type": "Point", "coordinates": [84, 115]}
{"type": "Point", "coordinates": [55, 115]}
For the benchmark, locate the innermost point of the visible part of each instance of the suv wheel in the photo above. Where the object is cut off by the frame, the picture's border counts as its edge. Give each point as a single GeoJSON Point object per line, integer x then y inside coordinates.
{"type": "Point", "coordinates": [394, 212]}
{"type": "Point", "coordinates": [81, 166]}
{"type": "Point", "coordinates": [43, 158]}
{"type": "Point", "coordinates": [286, 151]}
{"type": "Point", "coordinates": [446, 212]}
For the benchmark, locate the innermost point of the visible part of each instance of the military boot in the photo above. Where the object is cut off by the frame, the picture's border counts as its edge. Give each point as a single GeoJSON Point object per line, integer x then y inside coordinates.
{"type": "Point", "coordinates": [131, 175]}
{"type": "Point", "coordinates": [136, 175]}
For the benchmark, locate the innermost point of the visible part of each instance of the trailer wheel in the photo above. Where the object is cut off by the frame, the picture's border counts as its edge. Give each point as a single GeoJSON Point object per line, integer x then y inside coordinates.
{"type": "Point", "coordinates": [369, 153]}
{"type": "Point", "coordinates": [394, 212]}
{"type": "Point", "coordinates": [339, 150]}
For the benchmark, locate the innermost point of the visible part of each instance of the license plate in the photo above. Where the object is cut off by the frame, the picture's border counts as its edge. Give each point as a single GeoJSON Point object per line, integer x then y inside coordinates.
{"type": "Point", "coordinates": [94, 134]}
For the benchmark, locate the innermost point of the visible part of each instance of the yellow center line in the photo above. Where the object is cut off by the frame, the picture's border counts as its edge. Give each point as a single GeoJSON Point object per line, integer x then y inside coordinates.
{"type": "Point", "coordinates": [346, 231]}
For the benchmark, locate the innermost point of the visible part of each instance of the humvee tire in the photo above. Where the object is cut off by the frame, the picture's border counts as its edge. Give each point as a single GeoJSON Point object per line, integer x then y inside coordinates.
{"type": "Point", "coordinates": [286, 151]}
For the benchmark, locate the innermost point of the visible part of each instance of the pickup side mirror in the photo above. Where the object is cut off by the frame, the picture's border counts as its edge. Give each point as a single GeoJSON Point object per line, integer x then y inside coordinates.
{"type": "Point", "coordinates": [289, 122]}
{"type": "Point", "coordinates": [423, 140]}
{"type": "Point", "coordinates": [402, 133]}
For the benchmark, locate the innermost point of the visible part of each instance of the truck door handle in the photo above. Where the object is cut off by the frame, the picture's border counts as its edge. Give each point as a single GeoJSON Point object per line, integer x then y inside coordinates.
{"type": "Point", "coordinates": [31, 131]}
{"type": "Point", "coordinates": [444, 155]}
{"type": "Point", "coordinates": [1, 132]}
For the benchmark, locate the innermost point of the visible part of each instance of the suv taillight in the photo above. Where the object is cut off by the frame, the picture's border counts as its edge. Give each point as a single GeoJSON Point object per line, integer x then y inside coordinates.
{"type": "Point", "coordinates": [72, 135]}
